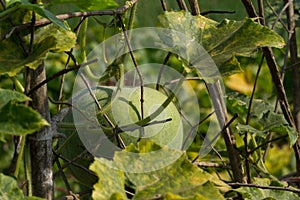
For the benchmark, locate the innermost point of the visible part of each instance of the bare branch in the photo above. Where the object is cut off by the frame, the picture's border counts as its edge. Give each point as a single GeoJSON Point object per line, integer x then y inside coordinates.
{"type": "Point", "coordinates": [194, 7]}
{"type": "Point", "coordinates": [265, 187]}
{"type": "Point", "coordinates": [182, 5]}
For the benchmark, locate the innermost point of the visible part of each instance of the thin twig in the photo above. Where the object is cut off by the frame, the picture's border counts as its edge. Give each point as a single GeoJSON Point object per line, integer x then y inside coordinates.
{"type": "Point", "coordinates": [294, 59]}
{"type": "Point", "coordinates": [217, 12]}
{"type": "Point", "coordinates": [267, 142]}
{"type": "Point", "coordinates": [194, 7]}
{"type": "Point", "coordinates": [3, 4]}
{"type": "Point", "coordinates": [278, 16]}
{"type": "Point", "coordinates": [141, 78]}
{"type": "Point", "coordinates": [32, 29]}
{"type": "Point", "coordinates": [223, 130]}
{"type": "Point", "coordinates": [248, 119]}
{"type": "Point", "coordinates": [261, 12]}
{"type": "Point", "coordinates": [56, 75]}
{"type": "Point", "coordinates": [218, 134]}
{"type": "Point", "coordinates": [182, 5]}
{"type": "Point", "coordinates": [273, 68]}
{"type": "Point", "coordinates": [186, 79]}
{"type": "Point", "coordinates": [217, 97]}
{"type": "Point", "coordinates": [265, 187]}
{"type": "Point", "coordinates": [63, 176]}
{"type": "Point", "coordinates": [162, 69]}
{"type": "Point", "coordinates": [284, 68]}
{"type": "Point", "coordinates": [62, 80]}
{"type": "Point", "coordinates": [211, 165]}
{"type": "Point", "coordinates": [164, 5]}
{"type": "Point", "coordinates": [194, 127]}
{"type": "Point", "coordinates": [72, 162]}
{"type": "Point", "coordinates": [72, 106]}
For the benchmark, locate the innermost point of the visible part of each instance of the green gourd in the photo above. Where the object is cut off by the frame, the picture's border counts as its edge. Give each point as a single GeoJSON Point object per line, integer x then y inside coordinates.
{"type": "Point", "coordinates": [123, 107]}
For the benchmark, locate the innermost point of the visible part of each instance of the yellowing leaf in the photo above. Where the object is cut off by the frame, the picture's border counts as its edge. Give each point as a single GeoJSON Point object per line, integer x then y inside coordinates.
{"type": "Point", "coordinates": [179, 179]}
{"type": "Point", "coordinates": [111, 181]}
{"type": "Point", "coordinates": [239, 83]}
{"type": "Point", "coordinates": [223, 41]}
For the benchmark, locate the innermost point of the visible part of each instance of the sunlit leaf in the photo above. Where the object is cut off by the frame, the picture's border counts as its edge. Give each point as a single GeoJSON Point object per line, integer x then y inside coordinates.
{"type": "Point", "coordinates": [180, 178]}
{"type": "Point", "coordinates": [225, 40]}
{"type": "Point", "coordinates": [111, 181]}
{"type": "Point", "coordinates": [9, 189]}
{"type": "Point", "coordinates": [20, 120]}
{"type": "Point", "coordinates": [239, 82]}
{"type": "Point", "coordinates": [86, 5]}
{"type": "Point", "coordinates": [279, 160]}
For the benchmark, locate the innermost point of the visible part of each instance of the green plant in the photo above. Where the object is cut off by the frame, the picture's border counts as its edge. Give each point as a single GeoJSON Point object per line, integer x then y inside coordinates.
{"type": "Point", "coordinates": [42, 41]}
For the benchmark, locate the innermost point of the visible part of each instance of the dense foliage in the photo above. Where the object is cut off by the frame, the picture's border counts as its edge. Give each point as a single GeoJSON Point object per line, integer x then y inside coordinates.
{"type": "Point", "coordinates": [224, 127]}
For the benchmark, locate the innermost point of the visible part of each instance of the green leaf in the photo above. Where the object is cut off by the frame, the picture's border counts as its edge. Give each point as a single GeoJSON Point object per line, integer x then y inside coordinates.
{"type": "Point", "coordinates": [262, 117]}
{"type": "Point", "coordinates": [64, 40]}
{"type": "Point", "coordinates": [225, 40]}
{"type": "Point", "coordinates": [111, 181]}
{"type": "Point", "coordinates": [270, 122]}
{"type": "Point", "coordinates": [20, 120]}
{"type": "Point", "coordinates": [24, 4]}
{"type": "Point", "coordinates": [49, 38]}
{"type": "Point", "coordinates": [44, 13]}
{"type": "Point", "coordinates": [85, 5]}
{"type": "Point", "coordinates": [9, 189]}
{"type": "Point", "coordinates": [253, 193]}
{"type": "Point", "coordinates": [179, 180]}
{"type": "Point", "coordinates": [9, 95]}
{"type": "Point", "coordinates": [11, 2]}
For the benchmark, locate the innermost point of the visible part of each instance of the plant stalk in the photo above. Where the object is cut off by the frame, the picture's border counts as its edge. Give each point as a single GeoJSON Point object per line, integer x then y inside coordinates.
{"type": "Point", "coordinates": [282, 98]}
{"type": "Point", "coordinates": [41, 141]}
{"type": "Point", "coordinates": [217, 98]}
{"type": "Point", "coordinates": [294, 62]}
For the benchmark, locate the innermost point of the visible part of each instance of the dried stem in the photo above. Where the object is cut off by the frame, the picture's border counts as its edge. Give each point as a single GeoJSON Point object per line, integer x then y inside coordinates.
{"type": "Point", "coordinates": [141, 78]}
{"type": "Point", "coordinates": [162, 69]}
{"type": "Point", "coordinates": [217, 98]}
{"type": "Point", "coordinates": [282, 98]}
{"type": "Point", "coordinates": [194, 7]}
{"type": "Point", "coordinates": [182, 5]}
{"type": "Point", "coordinates": [265, 187]}
{"type": "Point", "coordinates": [164, 5]}
{"type": "Point", "coordinates": [294, 60]}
